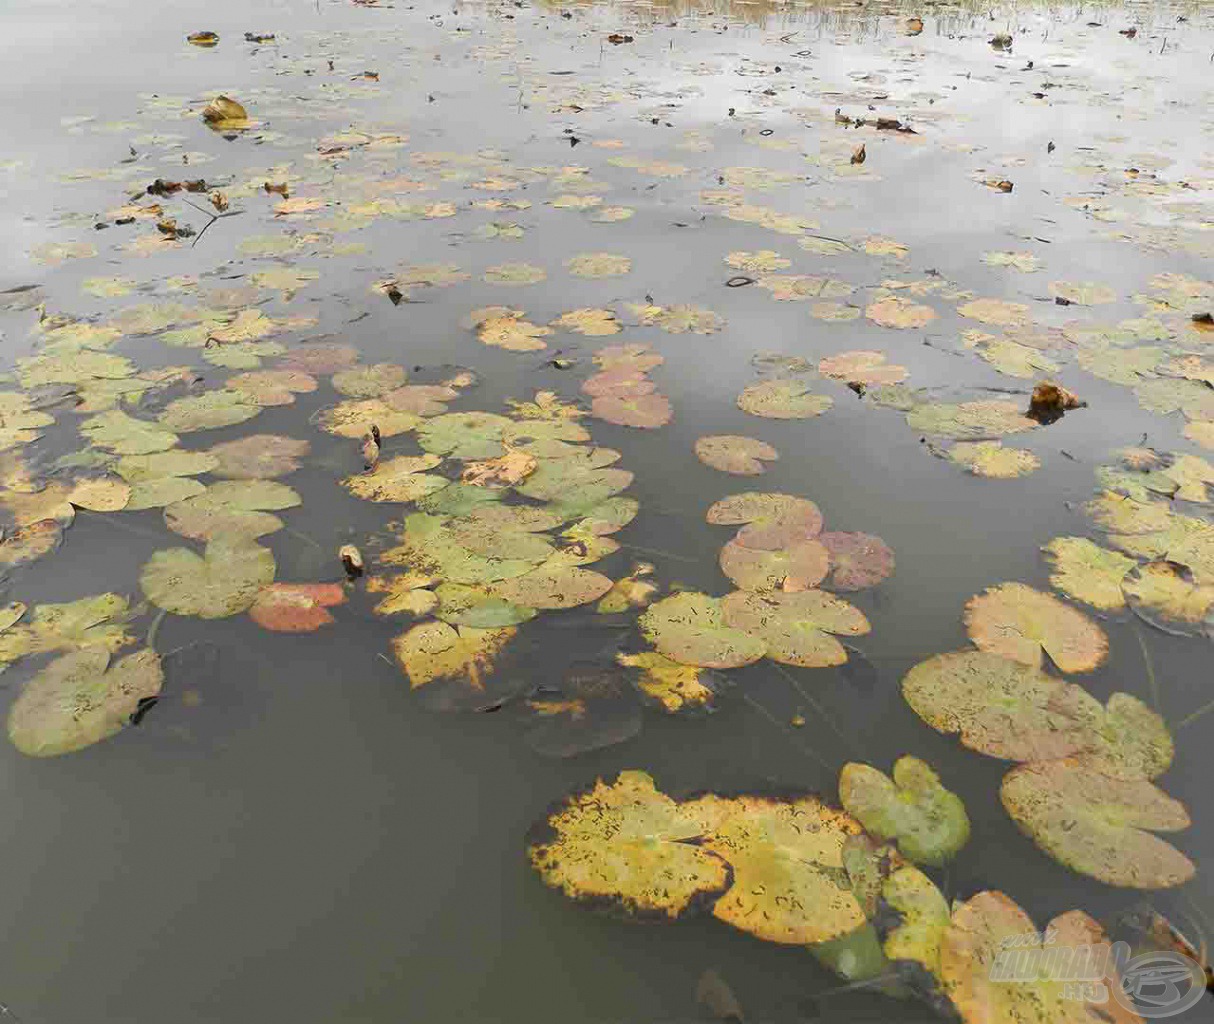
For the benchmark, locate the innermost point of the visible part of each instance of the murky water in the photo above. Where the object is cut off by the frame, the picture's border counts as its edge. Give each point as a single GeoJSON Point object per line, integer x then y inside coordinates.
{"type": "Point", "coordinates": [290, 834]}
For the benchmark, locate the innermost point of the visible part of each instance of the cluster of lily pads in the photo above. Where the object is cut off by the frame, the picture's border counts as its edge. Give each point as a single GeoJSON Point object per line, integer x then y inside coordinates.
{"type": "Point", "coordinates": [797, 871]}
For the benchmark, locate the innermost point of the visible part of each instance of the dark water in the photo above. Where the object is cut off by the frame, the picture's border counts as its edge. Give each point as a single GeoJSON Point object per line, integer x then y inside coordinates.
{"type": "Point", "coordinates": [300, 839]}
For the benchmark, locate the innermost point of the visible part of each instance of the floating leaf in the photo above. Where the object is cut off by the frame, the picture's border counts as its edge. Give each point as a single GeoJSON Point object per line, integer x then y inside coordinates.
{"type": "Point", "coordinates": [796, 627]}
{"type": "Point", "coordinates": [782, 400]}
{"type": "Point", "coordinates": [628, 844]}
{"type": "Point", "coordinates": [231, 509]}
{"type": "Point", "coordinates": [799, 566]}
{"type": "Point", "coordinates": [400, 479]}
{"type": "Point", "coordinates": [296, 607]}
{"type": "Point", "coordinates": [557, 587]}
{"type": "Point", "coordinates": [864, 367]}
{"type": "Point", "coordinates": [644, 411]}
{"type": "Point", "coordinates": [593, 323]}
{"type": "Point", "coordinates": [1099, 824]}
{"type": "Point", "coordinates": [271, 387]}
{"type": "Point", "coordinates": [29, 543]}
{"type": "Point", "coordinates": [211, 409]}
{"type": "Point", "coordinates": [857, 560]}
{"type": "Point", "coordinates": [674, 686]}
{"type": "Point", "coordinates": [991, 459]}
{"type": "Point", "coordinates": [1164, 594]}
{"type": "Point", "coordinates": [996, 311]}
{"type": "Point", "coordinates": [679, 319]}
{"type": "Point", "coordinates": [515, 273]}
{"type": "Point", "coordinates": [975, 948]}
{"type": "Point", "coordinates": [896, 311]}
{"type": "Point", "coordinates": [319, 358]}
{"type": "Point", "coordinates": [1015, 621]}
{"type": "Point", "coordinates": [598, 264]}
{"type": "Point", "coordinates": [1025, 262]}
{"type": "Point", "coordinates": [762, 262]}
{"type": "Point", "coordinates": [1083, 293]}
{"type": "Point", "coordinates": [593, 707]}
{"type": "Point", "coordinates": [786, 858]}
{"type": "Point", "coordinates": [223, 582]}
{"type": "Point", "coordinates": [1087, 572]}
{"type": "Point", "coordinates": [356, 417]}
{"type": "Point", "coordinates": [81, 699]}
{"type": "Point", "coordinates": [258, 456]}
{"type": "Point", "coordinates": [973, 421]}
{"type": "Point", "coordinates": [772, 521]}
{"type": "Point", "coordinates": [690, 628]}
{"type": "Point", "coordinates": [464, 435]}
{"type": "Point", "coordinates": [75, 625]}
{"type": "Point", "coordinates": [923, 913]}
{"type": "Point", "coordinates": [731, 453]}
{"type": "Point", "coordinates": [434, 652]}
{"type": "Point", "coordinates": [927, 821]}
{"type": "Point", "coordinates": [795, 287]}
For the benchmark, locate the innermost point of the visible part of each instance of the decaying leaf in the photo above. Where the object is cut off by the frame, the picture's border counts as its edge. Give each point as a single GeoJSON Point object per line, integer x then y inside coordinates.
{"type": "Point", "coordinates": [296, 607]}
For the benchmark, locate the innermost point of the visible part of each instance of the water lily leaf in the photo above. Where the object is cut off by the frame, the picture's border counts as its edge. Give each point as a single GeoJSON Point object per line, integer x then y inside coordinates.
{"type": "Point", "coordinates": [430, 548]}
{"type": "Point", "coordinates": [296, 607]}
{"type": "Point", "coordinates": [100, 494]}
{"type": "Point", "coordinates": [782, 400]}
{"type": "Point", "coordinates": [644, 411]}
{"type": "Point", "coordinates": [895, 311]}
{"type": "Point", "coordinates": [369, 381]}
{"type": "Point", "coordinates": [772, 521]}
{"type": "Point", "coordinates": [1099, 824]}
{"type": "Point", "coordinates": [231, 509]}
{"type": "Point", "coordinates": [464, 435]}
{"type": "Point", "coordinates": [761, 262]}
{"type": "Point", "coordinates": [1191, 397]}
{"type": "Point", "coordinates": [176, 462]}
{"type": "Point", "coordinates": [690, 628]}
{"type": "Point", "coordinates": [1164, 594]}
{"type": "Point", "coordinates": [577, 487]}
{"type": "Point", "coordinates": [927, 821]}
{"type": "Point", "coordinates": [1015, 359]}
{"type": "Point", "coordinates": [593, 323]}
{"type": "Point", "coordinates": [637, 358]}
{"type": "Point", "coordinates": [19, 422]}
{"type": "Point", "coordinates": [1015, 621]}
{"type": "Point", "coordinates": [556, 587]}
{"type": "Point", "coordinates": [973, 421]}
{"type": "Point", "coordinates": [73, 367]}
{"type": "Point", "coordinates": [857, 560]}
{"type": "Point", "coordinates": [462, 605]}
{"type": "Point", "coordinates": [271, 387]}
{"type": "Point", "coordinates": [258, 456]}
{"type": "Point", "coordinates": [1025, 262]}
{"type": "Point", "coordinates": [678, 319]}
{"type": "Point", "coordinates": [81, 699]}
{"type": "Point", "coordinates": [212, 409]}
{"type": "Point", "coordinates": [29, 543]}
{"type": "Point", "coordinates": [992, 460]}
{"type": "Point", "coordinates": [674, 687]}
{"type": "Point", "coordinates": [598, 264]}
{"type": "Point", "coordinates": [865, 367]}
{"type": "Point", "coordinates": [731, 453]}
{"type": "Point", "coordinates": [288, 280]}
{"type": "Point", "coordinates": [923, 913]}
{"type": "Point", "coordinates": [796, 627]}
{"type": "Point", "coordinates": [1185, 540]}
{"type": "Point", "coordinates": [501, 327]}
{"type": "Point", "coordinates": [118, 432]}
{"type": "Point", "coordinates": [400, 479]}
{"type": "Point", "coordinates": [629, 845]}
{"type": "Point", "coordinates": [997, 312]}
{"type": "Point", "coordinates": [223, 582]}
{"type": "Point", "coordinates": [319, 358]}
{"type": "Point", "coordinates": [420, 399]}
{"type": "Point", "coordinates": [1087, 572]}
{"type": "Point", "coordinates": [157, 492]}
{"type": "Point", "coordinates": [787, 858]}
{"type": "Point", "coordinates": [619, 382]}
{"type": "Point", "coordinates": [799, 566]}
{"type": "Point", "coordinates": [354, 418]}
{"type": "Point", "coordinates": [461, 659]}
{"type": "Point", "coordinates": [1083, 293]}
{"type": "Point", "coordinates": [515, 273]}
{"type": "Point", "coordinates": [75, 625]}
{"type": "Point", "coordinates": [973, 961]}
{"type": "Point", "coordinates": [795, 287]}
{"type": "Point", "coordinates": [404, 592]}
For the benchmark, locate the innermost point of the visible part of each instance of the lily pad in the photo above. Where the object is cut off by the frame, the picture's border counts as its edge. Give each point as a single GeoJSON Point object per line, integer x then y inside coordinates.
{"type": "Point", "coordinates": [81, 699]}
{"type": "Point", "coordinates": [464, 435]}
{"type": "Point", "coordinates": [400, 479]}
{"type": "Point", "coordinates": [864, 367]}
{"type": "Point", "coordinates": [690, 628]}
{"type": "Point", "coordinates": [644, 411]}
{"type": "Point", "coordinates": [259, 457]}
{"type": "Point", "coordinates": [1083, 293]}
{"type": "Point", "coordinates": [731, 453]}
{"type": "Point", "coordinates": [796, 627]}
{"type": "Point", "coordinates": [455, 661]}
{"type": "Point", "coordinates": [972, 421]}
{"type": "Point", "coordinates": [598, 264]}
{"type": "Point", "coordinates": [223, 582]}
{"type": "Point", "coordinates": [296, 607]}
{"type": "Point", "coordinates": [356, 417]}
{"type": "Point", "coordinates": [997, 312]}
{"type": "Point", "coordinates": [927, 821]}
{"type": "Point", "coordinates": [627, 845]}
{"type": "Point", "coordinates": [1165, 595]}
{"type": "Point", "coordinates": [772, 520]}
{"type": "Point", "coordinates": [673, 686]}
{"type": "Point", "coordinates": [895, 311]}
{"type": "Point", "coordinates": [89, 622]}
{"type": "Point", "coordinates": [267, 388]}
{"type": "Point", "coordinates": [1015, 621]}
{"type": "Point", "coordinates": [1099, 824]}
{"type": "Point", "coordinates": [369, 381]}
{"type": "Point", "coordinates": [857, 560]}
{"type": "Point", "coordinates": [232, 509]}
{"type": "Point", "coordinates": [800, 565]}
{"type": "Point", "coordinates": [1087, 572]}
{"type": "Point", "coordinates": [212, 409]}
{"type": "Point", "coordinates": [783, 400]}
{"type": "Point", "coordinates": [119, 432]}
{"type": "Point", "coordinates": [556, 587]}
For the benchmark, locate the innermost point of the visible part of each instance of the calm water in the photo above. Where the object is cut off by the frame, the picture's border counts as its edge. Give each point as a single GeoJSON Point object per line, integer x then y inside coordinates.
{"type": "Point", "coordinates": [290, 834]}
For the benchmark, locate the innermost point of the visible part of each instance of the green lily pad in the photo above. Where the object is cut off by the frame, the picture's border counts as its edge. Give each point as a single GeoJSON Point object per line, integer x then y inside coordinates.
{"type": "Point", "coordinates": [971, 421]}
{"type": "Point", "coordinates": [259, 456]}
{"type": "Point", "coordinates": [231, 509]}
{"type": "Point", "coordinates": [369, 381]}
{"type": "Point", "coordinates": [1099, 824]}
{"type": "Point", "coordinates": [801, 565]}
{"type": "Point", "coordinates": [464, 435]}
{"type": "Point", "coordinates": [783, 400]}
{"type": "Point", "coordinates": [556, 587]}
{"type": "Point", "coordinates": [212, 409]}
{"type": "Point", "coordinates": [797, 627]}
{"type": "Point", "coordinates": [690, 628]}
{"type": "Point", "coordinates": [927, 821]}
{"type": "Point", "coordinates": [119, 432]}
{"type": "Point", "coordinates": [223, 582]}
{"type": "Point", "coordinates": [81, 699]}
{"type": "Point", "coordinates": [1087, 572]}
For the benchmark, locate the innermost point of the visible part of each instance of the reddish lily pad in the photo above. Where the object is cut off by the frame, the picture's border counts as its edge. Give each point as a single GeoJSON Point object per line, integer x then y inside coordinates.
{"type": "Point", "coordinates": [857, 560]}
{"type": "Point", "coordinates": [296, 607]}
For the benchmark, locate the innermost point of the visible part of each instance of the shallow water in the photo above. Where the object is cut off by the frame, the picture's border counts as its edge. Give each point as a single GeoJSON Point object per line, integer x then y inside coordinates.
{"type": "Point", "coordinates": [290, 833]}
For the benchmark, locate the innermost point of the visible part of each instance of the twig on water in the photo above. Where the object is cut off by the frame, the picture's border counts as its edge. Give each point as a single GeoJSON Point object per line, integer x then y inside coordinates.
{"type": "Point", "coordinates": [1152, 682]}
